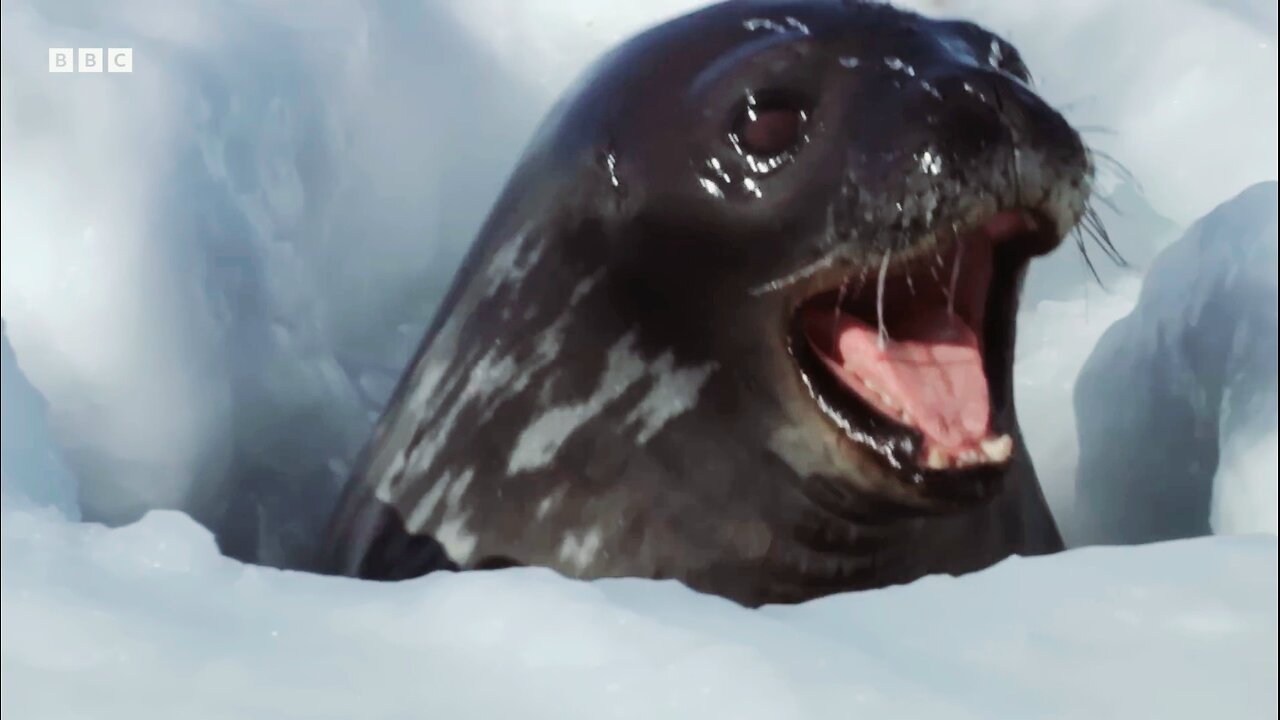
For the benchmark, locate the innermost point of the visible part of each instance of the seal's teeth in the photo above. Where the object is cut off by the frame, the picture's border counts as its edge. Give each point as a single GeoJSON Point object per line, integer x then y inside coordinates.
{"type": "Point", "coordinates": [936, 460]}
{"type": "Point", "coordinates": [998, 449]}
{"type": "Point", "coordinates": [969, 458]}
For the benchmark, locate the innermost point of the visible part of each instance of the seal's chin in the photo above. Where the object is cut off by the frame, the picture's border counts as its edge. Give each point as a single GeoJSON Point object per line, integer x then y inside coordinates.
{"type": "Point", "coordinates": [911, 359]}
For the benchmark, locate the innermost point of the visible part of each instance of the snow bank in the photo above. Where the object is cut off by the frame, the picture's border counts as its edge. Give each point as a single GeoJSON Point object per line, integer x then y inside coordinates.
{"type": "Point", "coordinates": [149, 621]}
{"type": "Point", "coordinates": [32, 470]}
{"type": "Point", "coordinates": [1196, 365]}
{"type": "Point", "coordinates": [215, 268]}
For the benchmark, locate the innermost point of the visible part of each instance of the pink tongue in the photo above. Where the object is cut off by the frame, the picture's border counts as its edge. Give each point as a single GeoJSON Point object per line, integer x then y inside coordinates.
{"type": "Point", "coordinates": [931, 371]}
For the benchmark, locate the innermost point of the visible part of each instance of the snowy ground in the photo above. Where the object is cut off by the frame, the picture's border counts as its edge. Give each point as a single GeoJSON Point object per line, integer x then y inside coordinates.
{"type": "Point", "coordinates": [214, 268]}
{"type": "Point", "coordinates": [150, 622]}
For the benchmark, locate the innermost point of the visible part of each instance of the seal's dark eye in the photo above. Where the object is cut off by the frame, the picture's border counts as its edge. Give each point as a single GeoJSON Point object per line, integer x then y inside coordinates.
{"type": "Point", "coordinates": [768, 130]}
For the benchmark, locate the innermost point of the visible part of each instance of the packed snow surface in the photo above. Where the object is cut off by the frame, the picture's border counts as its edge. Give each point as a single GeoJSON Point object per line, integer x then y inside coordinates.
{"type": "Point", "coordinates": [150, 621]}
{"type": "Point", "coordinates": [214, 268]}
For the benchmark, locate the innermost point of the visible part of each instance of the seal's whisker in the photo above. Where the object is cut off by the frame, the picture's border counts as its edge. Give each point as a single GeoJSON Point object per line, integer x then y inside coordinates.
{"type": "Point", "coordinates": [1101, 157]}
{"type": "Point", "coordinates": [1078, 235]}
{"type": "Point", "coordinates": [1108, 202]}
{"type": "Point", "coordinates": [1015, 155]}
{"type": "Point", "coordinates": [835, 311]}
{"type": "Point", "coordinates": [1098, 231]}
{"type": "Point", "coordinates": [883, 334]}
{"type": "Point", "coordinates": [955, 272]}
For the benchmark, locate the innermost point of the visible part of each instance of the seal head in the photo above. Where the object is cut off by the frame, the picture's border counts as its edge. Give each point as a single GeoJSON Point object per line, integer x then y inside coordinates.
{"type": "Point", "coordinates": [743, 317]}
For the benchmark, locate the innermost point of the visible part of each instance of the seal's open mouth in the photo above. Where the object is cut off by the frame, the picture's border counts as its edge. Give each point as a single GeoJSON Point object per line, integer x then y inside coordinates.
{"type": "Point", "coordinates": [912, 358]}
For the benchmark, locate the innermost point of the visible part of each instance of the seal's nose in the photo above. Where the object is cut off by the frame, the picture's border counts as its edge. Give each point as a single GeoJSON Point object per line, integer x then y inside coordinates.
{"type": "Point", "coordinates": [973, 113]}
{"type": "Point", "coordinates": [957, 138]}
{"type": "Point", "coordinates": [963, 115]}
{"type": "Point", "coordinates": [956, 109]}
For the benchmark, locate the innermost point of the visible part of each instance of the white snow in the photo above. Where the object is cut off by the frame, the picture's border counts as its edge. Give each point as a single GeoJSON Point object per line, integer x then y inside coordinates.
{"type": "Point", "coordinates": [150, 622]}
{"type": "Point", "coordinates": [213, 270]}
{"type": "Point", "coordinates": [1243, 501]}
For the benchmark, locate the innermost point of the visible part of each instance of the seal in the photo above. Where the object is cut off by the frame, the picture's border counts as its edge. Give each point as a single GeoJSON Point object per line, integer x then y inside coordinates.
{"type": "Point", "coordinates": [743, 318]}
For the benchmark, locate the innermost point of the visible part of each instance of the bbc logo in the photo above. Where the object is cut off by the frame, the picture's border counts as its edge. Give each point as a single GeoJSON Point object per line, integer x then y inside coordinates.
{"type": "Point", "coordinates": [90, 60]}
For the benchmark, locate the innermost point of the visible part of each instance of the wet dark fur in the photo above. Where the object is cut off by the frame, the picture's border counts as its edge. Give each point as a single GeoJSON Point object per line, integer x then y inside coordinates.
{"type": "Point", "coordinates": [618, 241]}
